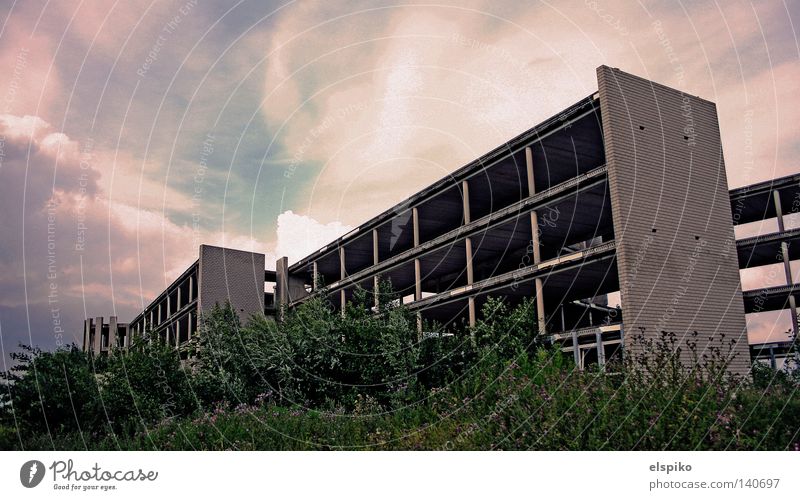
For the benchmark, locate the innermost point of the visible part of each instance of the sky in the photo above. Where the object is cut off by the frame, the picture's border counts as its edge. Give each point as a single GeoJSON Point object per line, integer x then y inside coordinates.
{"type": "Point", "coordinates": [131, 132]}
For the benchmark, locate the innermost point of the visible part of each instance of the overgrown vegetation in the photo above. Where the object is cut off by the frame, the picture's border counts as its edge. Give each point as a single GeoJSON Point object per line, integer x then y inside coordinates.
{"type": "Point", "coordinates": [365, 380]}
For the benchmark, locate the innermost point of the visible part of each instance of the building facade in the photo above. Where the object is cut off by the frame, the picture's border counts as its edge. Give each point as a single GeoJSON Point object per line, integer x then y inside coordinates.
{"type": "Point", "coordinates": [219, 275]}
{"type": "Point", "coordinates": [620, 199]}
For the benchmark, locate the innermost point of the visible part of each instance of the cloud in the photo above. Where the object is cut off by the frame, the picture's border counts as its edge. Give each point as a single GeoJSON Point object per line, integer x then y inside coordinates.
{"type": "Point", "coordinates": [299, 235]}
{"type": "Point", "coordinates": [363, 104]}
{"type": "Point", "coordinates": [71, 251]}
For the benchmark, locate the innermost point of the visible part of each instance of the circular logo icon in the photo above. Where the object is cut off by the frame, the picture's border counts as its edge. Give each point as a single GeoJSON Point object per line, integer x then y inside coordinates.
{"type": "Point", "coordinates": [31, 473]}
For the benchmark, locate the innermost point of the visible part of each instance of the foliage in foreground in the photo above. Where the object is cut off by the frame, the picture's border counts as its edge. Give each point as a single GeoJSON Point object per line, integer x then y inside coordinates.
{"type": "Point", "coordinates": [365, 381]}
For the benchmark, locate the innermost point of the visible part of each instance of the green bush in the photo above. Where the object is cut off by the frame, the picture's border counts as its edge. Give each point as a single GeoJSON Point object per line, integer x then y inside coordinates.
{"type": "Point", "coordinates": [366, 380]}
{"type": "Point", "coordinates": [319, 356]}
{"type": "Point", "coordinates": [49, 393]}
{"type": "Point", "coordinates": [506, 330]}
{"type": "Point", "coordinates": [145, 385]}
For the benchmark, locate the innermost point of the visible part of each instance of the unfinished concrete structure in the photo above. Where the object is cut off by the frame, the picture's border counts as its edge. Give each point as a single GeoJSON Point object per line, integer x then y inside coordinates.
{"type": "Point", "coordinates": [625, 191]}
{"type": "Point", "coordinates": [219, 275]}
{"type": "Point", "coordinates": [623, 195]}
{"type": "Point", "coordinates": [100, 336]}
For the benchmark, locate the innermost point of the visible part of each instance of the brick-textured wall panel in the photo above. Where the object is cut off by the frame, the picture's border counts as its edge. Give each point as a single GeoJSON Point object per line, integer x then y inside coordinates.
{"type": "Point", "coordinates": [231, 275]}
{"type": "Point", "coordinates": [670, 176]}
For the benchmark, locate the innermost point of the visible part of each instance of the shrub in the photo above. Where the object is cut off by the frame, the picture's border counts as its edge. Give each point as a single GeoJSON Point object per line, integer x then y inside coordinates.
{"type": "Point", "coordinates": [144, 385]}
{"type": "Point", "coordinates": [507, 330]}
{"type": "Point", "coordinates": [320, 356]}
{"type": "Point", "coordinates": [49, 392]}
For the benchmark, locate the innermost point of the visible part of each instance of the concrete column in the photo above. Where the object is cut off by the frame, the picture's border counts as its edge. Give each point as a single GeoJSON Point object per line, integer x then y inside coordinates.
{"type": "Point", "coordinates": [468, 246]}
{"type": "Point", "coordinates": [417, 270]}
{"type": "Point", "coordinates": [98, 334]}
{"type": "Point", "coordinates": [576, 351]}
{"type": "Point", "coordinates": [180, 304]}
{"type": "Point", "coordinates": [86, 329]}
{"type": "Point", "coordinates": [112, 332]}
{"type": "Point", "coordinates": [415, 220]}
{"type": "Point", "coordinates": [601, 353]}
{"type": "Point", "coordinates": [177, 332]}
{"type": "Point", "coordinates": [417, 280]}
{"type": "Point", "coordinates": [787, 265]}
{"type": "Point", "coordinates": [191, 288]}
{"type": "Point", "coordinates": [314, 276]}
{"type": "Point", "coordinates": [537, 257]}
{"type": "Point", "coordinates": [467, 209]}
{"type": "Point", "coordinates": [342, 275]}
{"type": "Point", "coordinates": [470, 281]}
{"type": "Point", "coordinates": [375, 260]}
{"type": "Point", "coordinates": [776, 198]}
{"type": "Point", "coordinates": [787, 269]}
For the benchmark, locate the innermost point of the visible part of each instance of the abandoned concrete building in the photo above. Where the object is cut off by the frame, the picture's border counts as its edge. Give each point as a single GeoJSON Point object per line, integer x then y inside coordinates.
{"type": "Point", "coordinates": [614, 217]}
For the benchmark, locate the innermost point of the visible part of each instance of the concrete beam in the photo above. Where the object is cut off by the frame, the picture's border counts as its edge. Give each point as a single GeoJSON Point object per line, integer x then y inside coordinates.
{"type": "Point", "coordinates": [584, 108]}
{"type": "Point", "coordinates": [598, 253]}
{"type": "Point", "coordinates": [556, 194]}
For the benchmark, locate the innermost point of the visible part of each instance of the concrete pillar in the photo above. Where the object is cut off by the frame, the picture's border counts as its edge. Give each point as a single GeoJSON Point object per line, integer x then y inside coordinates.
{"type": "Point", "coordinates": [281, 286]}
{"type": "Point", "coordinates": [470, 281]}
{"type": "Point", "coordinates": [417, 270]}
{"type": "Point", "coordinates": [191, 288]}
{"type": "Point", "coordinates": [314, 276]}
{"type": "Point", "coordinates": [576, 351]}
{"type": "Point", "coordinates": [417, 280]}
{"type": "Point", "coordinates": [375, 259]}
{"type": "Point", "coordinates": [467, 209]}
{"type": "Point", "coordinates": [468, 246]}
{"type": "Point", "coordinates": [86, 329]}
{"type": "Point", "coordinates": [98, 335]}
{"type": "Point", "coordinates": [112, 332]}
{"type": "Point", "coordinates": [417, 267]}
{"type": "Point", "coordinates": [787, 265]}
{"type": "Point", "coordinates": [601, 353]}
{"type": "Point", "coordinates": [537, 257]}
{"type": "Point", "coordinates": [415, 217]}
{"type": "Point", "coordinates": [342, 275]}
{"type": "Point", "coordinates": [776, 198]}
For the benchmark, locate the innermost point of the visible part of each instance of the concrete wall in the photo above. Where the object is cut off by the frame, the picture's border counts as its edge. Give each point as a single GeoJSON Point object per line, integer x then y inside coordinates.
{"type": "Point", "coordinates": [231, 275]}
{"type": "Point", "coordinates": [676, 251]}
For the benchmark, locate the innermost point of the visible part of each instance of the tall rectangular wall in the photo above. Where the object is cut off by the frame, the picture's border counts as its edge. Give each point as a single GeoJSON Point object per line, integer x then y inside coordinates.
{"type": "Point", "coordinates": [231, 275]}
{"type": "Point", "coordinates": [676, 252]}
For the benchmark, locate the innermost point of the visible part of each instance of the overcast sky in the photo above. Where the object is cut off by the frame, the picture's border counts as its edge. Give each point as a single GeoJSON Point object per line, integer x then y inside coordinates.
{"type": "Point", "coordinates": [134, 131]}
